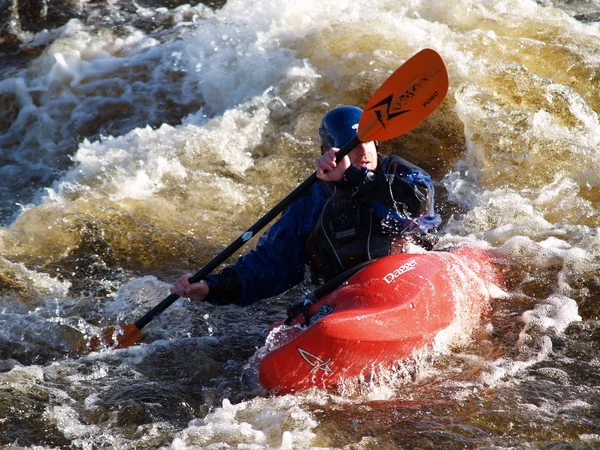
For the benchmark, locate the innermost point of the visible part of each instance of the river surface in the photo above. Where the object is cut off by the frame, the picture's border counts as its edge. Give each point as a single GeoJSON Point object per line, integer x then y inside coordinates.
{"type": "Point", "coordinates": [137, 141]}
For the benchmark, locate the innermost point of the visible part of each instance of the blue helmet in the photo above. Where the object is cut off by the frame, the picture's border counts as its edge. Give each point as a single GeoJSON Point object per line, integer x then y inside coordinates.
{"type": "Point", "coordinates": [339, 126]}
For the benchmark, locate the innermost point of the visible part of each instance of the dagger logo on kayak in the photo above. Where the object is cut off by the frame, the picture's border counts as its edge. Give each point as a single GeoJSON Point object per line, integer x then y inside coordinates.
{"type": "Point", "coordinates": [410, 265]}
{"type": "Point", "coordinates": [314, 361]}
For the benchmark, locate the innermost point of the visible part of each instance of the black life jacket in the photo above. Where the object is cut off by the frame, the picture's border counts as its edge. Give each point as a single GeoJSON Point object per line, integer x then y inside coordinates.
{"type": "Point", "coordinates": [351, 228]}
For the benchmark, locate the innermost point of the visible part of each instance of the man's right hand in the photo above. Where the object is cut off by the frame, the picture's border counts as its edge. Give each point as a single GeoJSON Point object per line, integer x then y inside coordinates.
{"type": "Point", "coordinates": [330, 170]}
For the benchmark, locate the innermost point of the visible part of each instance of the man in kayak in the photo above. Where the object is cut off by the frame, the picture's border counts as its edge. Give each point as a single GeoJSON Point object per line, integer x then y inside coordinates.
{"type": "Point", "coordinates": [363, 207]}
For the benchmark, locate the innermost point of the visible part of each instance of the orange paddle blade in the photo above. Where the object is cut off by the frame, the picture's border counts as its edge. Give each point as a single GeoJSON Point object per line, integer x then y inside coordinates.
{"type": "Point", "coordinates": [406, 98]}
{"type": "Point", "coordinates": [124, 337]}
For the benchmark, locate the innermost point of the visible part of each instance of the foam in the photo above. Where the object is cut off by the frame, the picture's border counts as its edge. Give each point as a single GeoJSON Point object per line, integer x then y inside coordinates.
{"type": "Point", "coordinates": [257, 423]}
{"type": "Point", "coordinates": [556, 312]}
{"type": "Point", "coordinates": [37, 284]}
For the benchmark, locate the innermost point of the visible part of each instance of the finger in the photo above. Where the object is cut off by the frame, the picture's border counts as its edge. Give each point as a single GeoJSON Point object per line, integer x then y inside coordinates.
{"type": "Point", "coordinates": [180, 285]}
{"type": "Point", "coordinates": [326, 165]}
{"type": "Point", "coordinates": [198, 291]}
{"type": "Point", "coordinates": [175, 289]}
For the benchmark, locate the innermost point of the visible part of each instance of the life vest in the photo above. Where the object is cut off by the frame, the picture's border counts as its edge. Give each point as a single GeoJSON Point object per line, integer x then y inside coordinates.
{"type": "Point", "coordinates": [366, 222]}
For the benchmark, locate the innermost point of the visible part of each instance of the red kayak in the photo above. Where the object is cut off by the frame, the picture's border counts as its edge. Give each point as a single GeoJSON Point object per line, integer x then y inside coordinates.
{"type": "Point", "coordinates": [385, 312]}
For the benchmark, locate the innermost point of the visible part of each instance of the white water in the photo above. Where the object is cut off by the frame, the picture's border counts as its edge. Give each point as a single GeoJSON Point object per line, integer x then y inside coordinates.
{"type": "Point", "coordinates": [148, 153]}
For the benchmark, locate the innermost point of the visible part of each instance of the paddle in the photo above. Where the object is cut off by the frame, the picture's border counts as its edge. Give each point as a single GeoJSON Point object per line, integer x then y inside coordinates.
{"type": "Point", "coordinates": [302, 306]}
{"type": "Point", "coordinates": [402, 102]}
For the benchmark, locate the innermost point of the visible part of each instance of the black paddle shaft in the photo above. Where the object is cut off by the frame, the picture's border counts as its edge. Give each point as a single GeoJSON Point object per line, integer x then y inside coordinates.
{"type": "Point", "coordinates": [245, 237]}
{"type": "Point", "coordinates": [322, 291]}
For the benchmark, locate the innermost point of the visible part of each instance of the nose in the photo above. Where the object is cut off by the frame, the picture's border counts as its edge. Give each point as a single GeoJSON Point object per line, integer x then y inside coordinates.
{"type": "Point", "coordinates": [360, 149]}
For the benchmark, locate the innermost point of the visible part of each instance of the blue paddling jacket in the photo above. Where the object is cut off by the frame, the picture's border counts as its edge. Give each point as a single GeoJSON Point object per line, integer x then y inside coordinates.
{"type": "Point", "coordinates": [279, 260]}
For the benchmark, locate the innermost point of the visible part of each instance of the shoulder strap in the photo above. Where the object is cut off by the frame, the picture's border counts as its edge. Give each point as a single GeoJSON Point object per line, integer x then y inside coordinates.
{"type": "Point", "coordinates": [395, 164]}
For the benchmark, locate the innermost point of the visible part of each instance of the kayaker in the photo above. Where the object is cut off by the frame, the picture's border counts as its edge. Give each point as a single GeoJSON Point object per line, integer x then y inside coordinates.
{"type": "Point", "coordinates": [366, 206]}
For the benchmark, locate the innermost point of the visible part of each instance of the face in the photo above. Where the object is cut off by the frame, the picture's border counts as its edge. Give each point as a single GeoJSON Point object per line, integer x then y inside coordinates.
{"type": "Point", "coordinates": [364, 155]}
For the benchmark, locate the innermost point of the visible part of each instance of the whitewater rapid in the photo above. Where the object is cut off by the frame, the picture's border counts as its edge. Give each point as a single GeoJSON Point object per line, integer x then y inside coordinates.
{"type": "Point", "coordinates": [131, 155]}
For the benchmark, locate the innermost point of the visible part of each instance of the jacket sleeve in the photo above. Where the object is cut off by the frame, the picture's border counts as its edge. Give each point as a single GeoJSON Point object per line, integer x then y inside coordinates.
{"type": "Point", "coordinates": [277, 263]}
